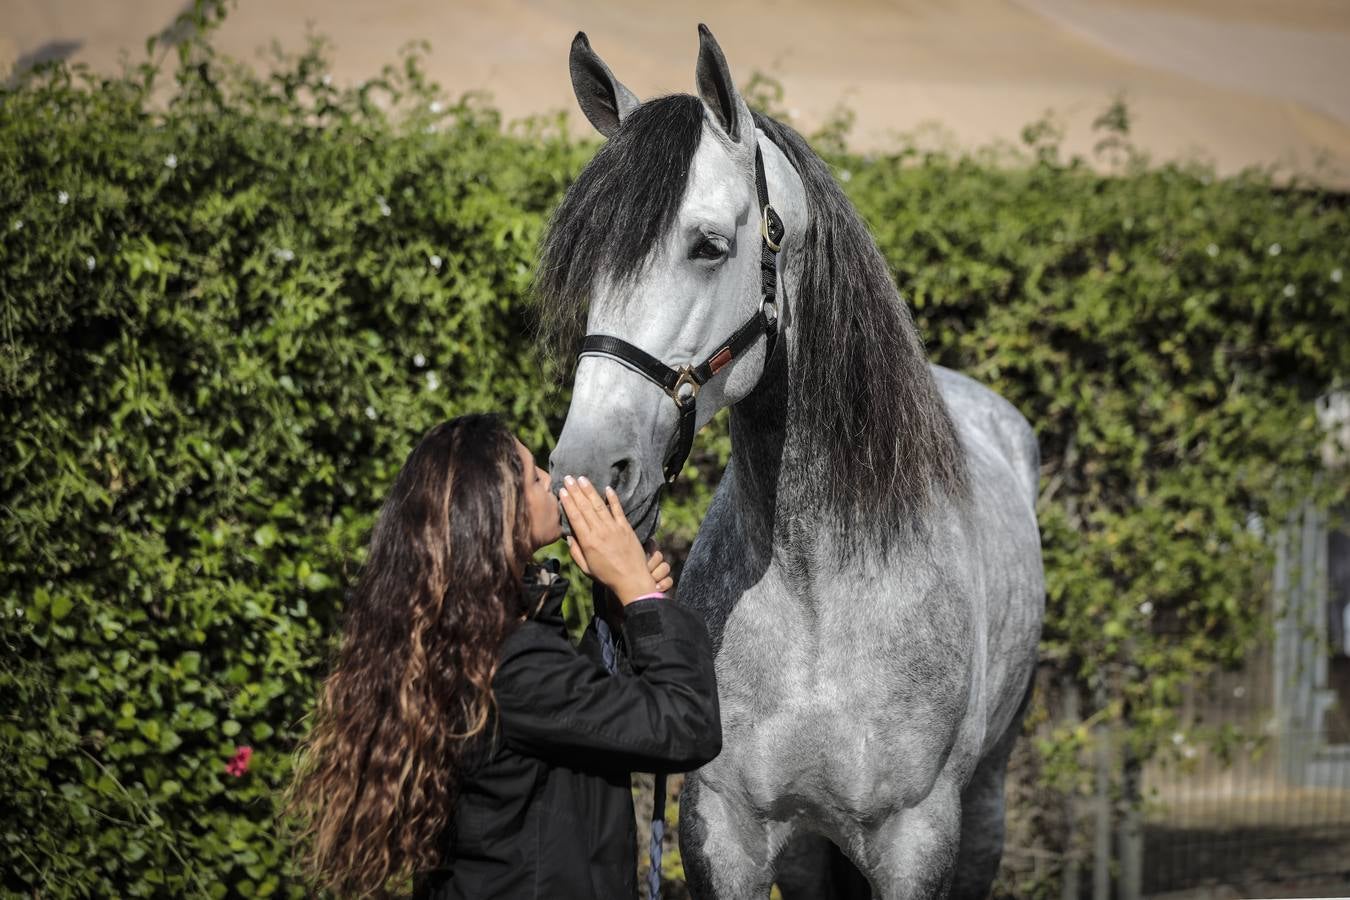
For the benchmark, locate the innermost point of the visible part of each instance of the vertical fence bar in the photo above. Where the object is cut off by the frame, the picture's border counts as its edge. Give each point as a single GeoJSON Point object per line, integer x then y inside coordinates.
{"type": "Point", "coordinates": [1101, 802]}
{"type": "Point", "coordinates": [1070, 885]}
{"type": "Point", "coordinates": [1131, 837]}
{"type": "Point", "coordinates": [1284, 666]}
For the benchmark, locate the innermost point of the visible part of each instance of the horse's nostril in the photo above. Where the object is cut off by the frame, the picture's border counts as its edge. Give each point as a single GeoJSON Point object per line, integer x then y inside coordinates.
{"type": "Point", "coordinates": [618, 476]}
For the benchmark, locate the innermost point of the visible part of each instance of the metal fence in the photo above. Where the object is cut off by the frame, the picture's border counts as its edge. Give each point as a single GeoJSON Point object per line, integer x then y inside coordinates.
{"type": "Point", "coordinates": [1253, 794]}
{"type": "Point", "coordinates": [1256, 790]}
{"type": "Point", "coordinates": [1237, 817]}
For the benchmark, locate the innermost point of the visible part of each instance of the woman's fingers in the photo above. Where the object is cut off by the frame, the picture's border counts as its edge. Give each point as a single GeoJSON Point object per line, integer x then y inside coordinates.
{"type": "Point", "coordinates": [657, 565]}
{"type": "Point", "coordinates": [601, 532]}
{"type": "Point", "coordinates": [598, 510]}
{"type": "Point", "coordinates": [580, 518]}
{"type": "Point", "coordinates": [578, 556]}
{"type": "Point", "coordinates": [604, 517]}
{"type": "Point", "coordinates": [615, 507]}
{"type": "Point", "coordinates": [595, 504]}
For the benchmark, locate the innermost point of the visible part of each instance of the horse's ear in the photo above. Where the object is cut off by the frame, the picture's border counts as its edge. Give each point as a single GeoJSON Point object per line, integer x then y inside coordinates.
{"type": "Point", "coordinates": [718, 90]}
{"type": "Point", "coordinates": [602, 97]}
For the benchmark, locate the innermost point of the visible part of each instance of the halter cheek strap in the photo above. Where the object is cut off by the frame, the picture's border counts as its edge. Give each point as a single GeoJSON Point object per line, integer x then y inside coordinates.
{"type": "Point", "coordinates": [682, 384]}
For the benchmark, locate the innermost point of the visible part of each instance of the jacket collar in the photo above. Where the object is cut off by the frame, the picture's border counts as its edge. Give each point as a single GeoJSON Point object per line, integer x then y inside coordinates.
{"type": "Point", "coordinates": [544, 592]}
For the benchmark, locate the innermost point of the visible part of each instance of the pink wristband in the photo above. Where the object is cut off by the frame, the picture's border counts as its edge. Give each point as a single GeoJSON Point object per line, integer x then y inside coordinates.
{"type": "Point", "coordinates": [661, 594]}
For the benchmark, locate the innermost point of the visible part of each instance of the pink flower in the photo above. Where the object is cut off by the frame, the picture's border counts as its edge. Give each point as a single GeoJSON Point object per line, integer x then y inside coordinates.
{"type": "Point", "coordinates": [238, 765]}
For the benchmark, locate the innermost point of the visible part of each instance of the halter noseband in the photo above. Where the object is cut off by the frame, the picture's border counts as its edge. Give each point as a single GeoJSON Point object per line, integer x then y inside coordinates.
{"type": "Point", "coordinates": [682, 384]}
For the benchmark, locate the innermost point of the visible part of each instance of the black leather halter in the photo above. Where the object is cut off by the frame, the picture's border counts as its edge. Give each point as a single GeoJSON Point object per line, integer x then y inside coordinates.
{"type": "Point", "coordinates": [682, 384]}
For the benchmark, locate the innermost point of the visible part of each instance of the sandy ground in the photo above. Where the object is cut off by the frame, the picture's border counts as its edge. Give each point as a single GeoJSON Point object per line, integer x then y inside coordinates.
{"type": "Point", "coordinates": [1238, 82]}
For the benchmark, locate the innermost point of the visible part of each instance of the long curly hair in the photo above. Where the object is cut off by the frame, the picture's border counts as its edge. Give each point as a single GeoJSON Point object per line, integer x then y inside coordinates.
{"type": "Point", "coordinates": [376, 780]}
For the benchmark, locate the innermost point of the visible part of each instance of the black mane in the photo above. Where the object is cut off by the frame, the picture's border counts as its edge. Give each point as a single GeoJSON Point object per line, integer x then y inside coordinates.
{"type": "Point", "coordinates": [864, 401]}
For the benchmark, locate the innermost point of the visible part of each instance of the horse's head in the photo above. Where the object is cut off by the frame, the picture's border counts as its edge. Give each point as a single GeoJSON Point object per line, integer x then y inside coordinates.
{"type": "Point", "coordinates": [659, 241]}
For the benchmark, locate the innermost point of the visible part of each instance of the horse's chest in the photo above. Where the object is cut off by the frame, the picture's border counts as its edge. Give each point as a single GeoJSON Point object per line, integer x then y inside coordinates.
{"type": "Point", "coordinates": [853, 693]}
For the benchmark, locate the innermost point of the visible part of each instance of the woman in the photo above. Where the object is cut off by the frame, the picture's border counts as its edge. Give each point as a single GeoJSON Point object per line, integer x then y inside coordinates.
{"type": "Point", "coordinates": [461, 738]}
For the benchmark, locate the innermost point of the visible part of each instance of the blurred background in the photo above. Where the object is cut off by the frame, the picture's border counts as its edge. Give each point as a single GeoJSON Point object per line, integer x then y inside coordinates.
{"type": "Point", "coordinates": [1240, 83]}
{"type": "Point", "coordinates": [250, 252]}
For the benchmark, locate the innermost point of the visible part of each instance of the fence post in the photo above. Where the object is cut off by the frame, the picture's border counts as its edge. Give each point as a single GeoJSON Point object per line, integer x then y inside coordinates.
{"type": "Point", "coordinates": [1101, 802]}
{"type": "Point", "coordinates": [1130, 838]}
{"type": "Point", "coordinates": [1284, 666]}
{"type": "Point", "coordinates": [1131, 830]}
{"type": "Point", "coordinates": [1070, 886]}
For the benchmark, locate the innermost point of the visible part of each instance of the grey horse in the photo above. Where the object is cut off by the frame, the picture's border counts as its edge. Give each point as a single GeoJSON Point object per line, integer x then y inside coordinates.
{"type": "Point", "coordinates": [870, 565]}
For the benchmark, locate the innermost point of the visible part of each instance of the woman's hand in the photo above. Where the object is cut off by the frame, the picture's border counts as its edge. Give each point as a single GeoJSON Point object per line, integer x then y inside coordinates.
{"type": "Point", "coordinates": [603, 543]}
{"type": "Point", "coordinates": [660, 569]}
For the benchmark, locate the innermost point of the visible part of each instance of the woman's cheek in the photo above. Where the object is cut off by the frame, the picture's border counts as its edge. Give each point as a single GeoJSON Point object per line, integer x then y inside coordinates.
{"type": "Point", "coordinates": [549, 518]}
{"type": "Point", "coordinates": [555, 519]}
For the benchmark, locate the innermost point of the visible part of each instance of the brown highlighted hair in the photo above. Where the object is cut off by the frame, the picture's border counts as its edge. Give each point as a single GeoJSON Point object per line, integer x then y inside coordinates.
{"type": "Point", "coordinates": [440, 589]}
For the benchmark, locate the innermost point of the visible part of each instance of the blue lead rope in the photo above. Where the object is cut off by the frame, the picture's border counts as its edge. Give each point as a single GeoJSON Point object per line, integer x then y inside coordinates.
{"type": "Point", "coordinates": [606, 645]}
{"type": "Point", "coordinates": [654, 851]}
{"type": "Point", "coordinates": [658, 836]}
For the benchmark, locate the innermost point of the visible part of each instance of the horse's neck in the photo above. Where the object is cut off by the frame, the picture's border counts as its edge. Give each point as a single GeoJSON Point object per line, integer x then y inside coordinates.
{"type": "Point", "coordinates": [765, 452]}
{"type": "Point", "coordinates": [777, 511]}
{"type": "Point", "coordinates": [758, 444]}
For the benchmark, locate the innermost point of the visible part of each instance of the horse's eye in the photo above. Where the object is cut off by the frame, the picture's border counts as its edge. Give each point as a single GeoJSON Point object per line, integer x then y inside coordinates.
{"type": "Point", "coordinates": [708, 248]}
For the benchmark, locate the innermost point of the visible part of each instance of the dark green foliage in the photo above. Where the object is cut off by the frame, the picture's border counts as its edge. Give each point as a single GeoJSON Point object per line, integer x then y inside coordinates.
{"type": "Point", "coordinates": [225, 325]}
{"type": "Point", "coordinates": [227, 318]}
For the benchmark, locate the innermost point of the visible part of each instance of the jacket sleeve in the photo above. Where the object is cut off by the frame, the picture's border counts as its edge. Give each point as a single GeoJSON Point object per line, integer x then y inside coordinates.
{"type": "Point", "coordinates": [558, 705]}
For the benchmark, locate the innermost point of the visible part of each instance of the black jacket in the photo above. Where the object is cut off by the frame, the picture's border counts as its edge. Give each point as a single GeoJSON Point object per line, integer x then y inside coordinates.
{"type": "Point", "coordinates": [545, 806]}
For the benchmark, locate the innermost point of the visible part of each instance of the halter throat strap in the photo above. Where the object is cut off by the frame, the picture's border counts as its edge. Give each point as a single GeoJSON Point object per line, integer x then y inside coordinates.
{"type": "Point", "coordinates": [682, 384]}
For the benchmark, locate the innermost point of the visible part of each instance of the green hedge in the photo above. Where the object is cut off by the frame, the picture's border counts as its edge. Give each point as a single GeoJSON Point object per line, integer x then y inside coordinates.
{"type": "Point", "coordinates": [225, 325]}
{"type": "Point", "coordinates": [228, 314]}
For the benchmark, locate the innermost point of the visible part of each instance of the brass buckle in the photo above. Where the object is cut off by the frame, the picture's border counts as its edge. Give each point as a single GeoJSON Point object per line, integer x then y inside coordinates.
{"type": "Point", "coordinates": [764, 227]}
{"type": "Point", "coordinates": [686, 378]}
